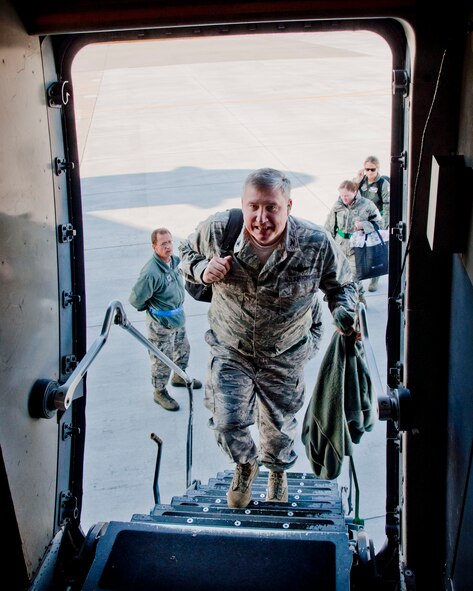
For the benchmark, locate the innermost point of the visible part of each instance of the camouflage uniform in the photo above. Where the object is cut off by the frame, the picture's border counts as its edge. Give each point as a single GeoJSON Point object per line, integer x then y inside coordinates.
{"type": "Point", "coordinates": [174, 343]}
{"type": "Point", "coordinates": [160, 289]}
{"type": "Point", "coordinates": [263, 329]}
{"type": "Point", "coordinates": [341, 225]}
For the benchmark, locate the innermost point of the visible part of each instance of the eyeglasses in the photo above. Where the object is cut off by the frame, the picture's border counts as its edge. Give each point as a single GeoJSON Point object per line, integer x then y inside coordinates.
{"type": "Point", "coordinates": [370, 169]}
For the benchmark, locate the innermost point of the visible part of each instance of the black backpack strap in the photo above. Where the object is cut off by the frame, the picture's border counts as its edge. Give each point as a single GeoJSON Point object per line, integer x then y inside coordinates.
{"type": "Point", "coordinates": [232, 231]}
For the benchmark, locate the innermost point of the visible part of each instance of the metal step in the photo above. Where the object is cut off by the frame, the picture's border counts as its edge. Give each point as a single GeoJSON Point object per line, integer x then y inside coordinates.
{"type": "Point", "coordinates": [303, 491]}
{"type": "Point", "coordinates": [262, 509]}
{"type": "Point", "coordinates": [312, 504]}
{"type": "Point", "coordinates": [267, 521]}
{"type": "Point", "coordinates": [197, 542]}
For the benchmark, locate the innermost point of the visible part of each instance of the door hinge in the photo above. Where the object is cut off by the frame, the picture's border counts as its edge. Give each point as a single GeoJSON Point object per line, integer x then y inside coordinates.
{"type": "Point", "coordinates": [409, 578]}
{"type": "Point", "coordinates": [68, 510]}
{"type": "Point", "coordinates": [69, 298]}
{"type": "Point", "coordinates": [66, 232]}
{"type": "Point", "coordinates": [61, 165]}
{"type": "Point", "coordinates": [69, 363]}
{"type": "Point", "coordinates": [399, 231]}
{"type": "Point", "coordinates": [400, 159]}
{"type": "Point", "coordinates": [69, 430]}
{"type": "Point", "coordinates": [397, 373]}
{"type": "Point", "coordinates": [400, 82]}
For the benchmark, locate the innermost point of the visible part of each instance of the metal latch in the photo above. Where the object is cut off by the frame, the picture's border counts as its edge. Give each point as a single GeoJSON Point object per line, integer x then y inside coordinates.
{"type": "Point", "coordinates": [58, 96]}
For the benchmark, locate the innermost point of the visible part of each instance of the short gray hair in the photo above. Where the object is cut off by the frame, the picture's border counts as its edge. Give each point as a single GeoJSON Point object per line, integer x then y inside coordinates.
{"type": "Point", "coordinates": [265, 179]}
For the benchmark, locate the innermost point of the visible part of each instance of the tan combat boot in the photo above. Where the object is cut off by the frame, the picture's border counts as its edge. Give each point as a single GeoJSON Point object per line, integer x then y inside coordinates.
{"type": "Point", "coordinates": [239, 493]}
{"type": "Point", "coordinates": [179, 382]}
{"type": "Point", "coordinates": [162, 397]}
{"type": "Point", "coordinates": [277, 487]}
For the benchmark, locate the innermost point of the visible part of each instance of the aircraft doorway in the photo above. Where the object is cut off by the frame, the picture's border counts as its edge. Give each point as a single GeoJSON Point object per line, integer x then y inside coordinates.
{"type": "Point", "coordinates": [167, 132]}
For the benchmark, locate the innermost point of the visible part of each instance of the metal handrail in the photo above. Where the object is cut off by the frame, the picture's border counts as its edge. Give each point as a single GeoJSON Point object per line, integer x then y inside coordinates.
{"type": "Point", "coordinates": [115, 313]}
{"type": "Point", "coordinates": [61, 396]}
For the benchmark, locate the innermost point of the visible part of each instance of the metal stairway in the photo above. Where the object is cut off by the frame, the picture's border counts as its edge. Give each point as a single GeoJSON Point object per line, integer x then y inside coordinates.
{"type": "Point", "coordinates": [197, 542]}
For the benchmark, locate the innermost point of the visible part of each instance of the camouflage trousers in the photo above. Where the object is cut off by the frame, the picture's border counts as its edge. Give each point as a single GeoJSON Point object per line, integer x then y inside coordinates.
{"type": "Point", "coordinates": [267, 391]}
{"type": "Point", "coordinates": [172, 342]}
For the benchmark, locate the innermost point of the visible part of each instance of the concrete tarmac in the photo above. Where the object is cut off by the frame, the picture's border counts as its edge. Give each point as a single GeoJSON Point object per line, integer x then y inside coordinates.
{"type": "Point", "coordinates": [168, 131]}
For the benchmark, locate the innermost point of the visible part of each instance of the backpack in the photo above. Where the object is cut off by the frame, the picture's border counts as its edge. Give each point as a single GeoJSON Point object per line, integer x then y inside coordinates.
{"type": "Point", "coordinates": [382, 178]}
{"type": "Point", "coordinates": [201, 292]}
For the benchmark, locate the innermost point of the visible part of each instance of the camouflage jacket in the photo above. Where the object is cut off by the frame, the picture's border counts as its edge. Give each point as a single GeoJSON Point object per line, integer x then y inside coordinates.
{"type": "Point", "coordinates": [264, 311]}
{"type": "Point", "coordinates": [341, 220]}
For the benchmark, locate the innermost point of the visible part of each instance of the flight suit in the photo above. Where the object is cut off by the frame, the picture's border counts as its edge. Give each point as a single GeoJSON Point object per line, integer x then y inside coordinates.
{"type": "Point", "coordinates": [159, 290]}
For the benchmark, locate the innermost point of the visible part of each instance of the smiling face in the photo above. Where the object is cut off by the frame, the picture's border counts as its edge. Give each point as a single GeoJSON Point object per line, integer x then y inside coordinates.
{"type": "Point", "coordinates": [265, 214]}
